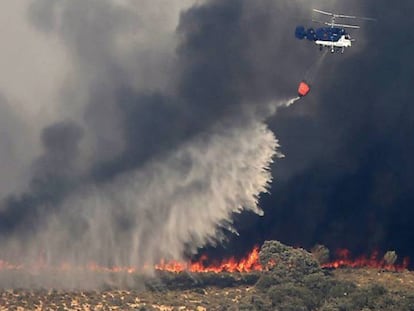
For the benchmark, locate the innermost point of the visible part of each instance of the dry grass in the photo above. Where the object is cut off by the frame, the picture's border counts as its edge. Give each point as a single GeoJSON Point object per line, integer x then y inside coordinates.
{"type": "Point", "coordinates": [393, 281]}
{"type": "Point", "coordinates": [295, 282]}
{"type": "Point", "coordinates": [200, 298]}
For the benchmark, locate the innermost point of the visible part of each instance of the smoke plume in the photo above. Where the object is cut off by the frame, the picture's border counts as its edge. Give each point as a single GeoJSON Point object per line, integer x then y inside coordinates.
{"type": "Point", "coordinates": [138, 129]}
{"type": "Point", "coordinates": [156, 137]}
{"type": "Point", "coordinates": [346, 178]}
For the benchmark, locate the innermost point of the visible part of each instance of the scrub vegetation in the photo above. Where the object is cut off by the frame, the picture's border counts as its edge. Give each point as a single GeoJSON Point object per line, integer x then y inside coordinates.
{"type": "Point", "coordinates": [292, 280]}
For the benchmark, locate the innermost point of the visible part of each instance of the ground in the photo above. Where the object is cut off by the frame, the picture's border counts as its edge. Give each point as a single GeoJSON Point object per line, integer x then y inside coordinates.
{"type": "Point", "coordinates": [291, 280]}
{"type": "Point", "coordinates": [397, 285]}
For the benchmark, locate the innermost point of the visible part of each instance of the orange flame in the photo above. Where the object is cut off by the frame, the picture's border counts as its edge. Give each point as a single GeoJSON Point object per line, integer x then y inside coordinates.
{"type": "Point", "coordinates": [95, 267]}
{"type": "Point", "coordinates": [247, 264]}
{"type": "Point", "coordinates": [4, 265]}
{"type": "Point", "coordinates": [345, 261]}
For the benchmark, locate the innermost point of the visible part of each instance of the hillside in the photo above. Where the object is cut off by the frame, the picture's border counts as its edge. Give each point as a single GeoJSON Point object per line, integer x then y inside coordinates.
{"type": "Point", "coordinates": [291, 280]}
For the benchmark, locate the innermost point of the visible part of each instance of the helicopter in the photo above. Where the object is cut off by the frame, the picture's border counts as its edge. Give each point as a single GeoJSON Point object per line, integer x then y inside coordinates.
{"type": "Point", "coordinates": [335, 37]}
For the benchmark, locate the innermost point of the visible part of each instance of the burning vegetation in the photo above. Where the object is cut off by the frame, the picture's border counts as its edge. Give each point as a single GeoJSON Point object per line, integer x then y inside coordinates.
{"type": "Point", "coordinates": [387, 262]}
{"type": "Point", "coordinates": [250, 263]}
{"type": "Point", "coordinates": [274, 277]}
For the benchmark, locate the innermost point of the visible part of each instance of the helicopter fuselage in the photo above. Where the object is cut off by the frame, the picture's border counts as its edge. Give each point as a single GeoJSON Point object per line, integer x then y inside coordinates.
{"type": "Point", "coordinates": [343, 42]}
{"type": "Point", "coordinates": [333, 38]}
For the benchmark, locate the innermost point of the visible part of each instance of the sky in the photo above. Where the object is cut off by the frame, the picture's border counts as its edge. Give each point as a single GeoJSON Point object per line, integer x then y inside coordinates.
{"type": "Point", "coordinates": [139, 130]}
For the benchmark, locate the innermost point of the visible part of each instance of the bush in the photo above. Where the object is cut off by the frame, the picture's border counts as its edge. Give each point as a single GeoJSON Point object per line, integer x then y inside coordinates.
{"type": "Point", "coordinates": [287, 262]}
{"type": "Point", "coordinates": [373, 297]}
{"type": "Point", "coordinates": [254, 302]}
{"type": "Point", "coordinates": [321, 253]}
{"type": "Point", "coordinates": [292, 294]}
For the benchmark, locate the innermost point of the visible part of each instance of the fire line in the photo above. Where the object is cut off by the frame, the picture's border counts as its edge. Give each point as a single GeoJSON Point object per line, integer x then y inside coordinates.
{"type": "Point", "coordinates": [247, 264]}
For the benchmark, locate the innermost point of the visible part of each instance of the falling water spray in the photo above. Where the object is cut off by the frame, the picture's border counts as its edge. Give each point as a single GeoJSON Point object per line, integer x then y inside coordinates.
{"type": "Point", "coordinates": [155, 148]}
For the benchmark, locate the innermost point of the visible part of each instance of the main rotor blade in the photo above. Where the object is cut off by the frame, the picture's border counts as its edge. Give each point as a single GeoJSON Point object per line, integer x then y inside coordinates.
{"type": "Point", "coordinates": [356, 17]}
{"type": "Point", "coordinates": [342, 25]}
{"type": "Point", "coordinates": [344, 16]}
{"type": "Point", "coordinates": [323, 12]}
{"type": "Point", "coordinates": [368, 19]}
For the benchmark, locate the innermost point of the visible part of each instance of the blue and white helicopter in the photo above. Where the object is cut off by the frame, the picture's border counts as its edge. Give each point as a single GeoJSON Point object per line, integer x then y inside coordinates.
{"type": "Point", "coordinates": [334, 37]}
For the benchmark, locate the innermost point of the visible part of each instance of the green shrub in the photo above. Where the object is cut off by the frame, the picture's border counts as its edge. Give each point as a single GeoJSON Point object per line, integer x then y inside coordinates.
{"type": "Point", "coordinates": [285, 294]}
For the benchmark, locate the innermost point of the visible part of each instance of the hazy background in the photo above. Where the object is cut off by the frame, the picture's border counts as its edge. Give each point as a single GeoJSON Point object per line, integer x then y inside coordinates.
{"type": "Point", "coordinates": [135, 130]}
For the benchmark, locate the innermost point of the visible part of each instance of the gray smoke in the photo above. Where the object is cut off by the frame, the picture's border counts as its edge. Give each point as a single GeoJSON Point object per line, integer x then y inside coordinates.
{"type": "Point", "coordinates": [155, 211]}
{"type": "Point", "coordinates": [158, 136]}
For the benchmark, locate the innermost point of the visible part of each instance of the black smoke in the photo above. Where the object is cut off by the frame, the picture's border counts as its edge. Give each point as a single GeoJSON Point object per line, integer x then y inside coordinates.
{"type": "Point", "coordinates": [222, 72]}
{"type": "Point", "coordinates": [347, 177]}
{"type": "Point", "coordinates": [55, 174]}
{"type": "Point", "coordinates": [149, 168]}
{"type": "Point", "coordinates": [154, 112]}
